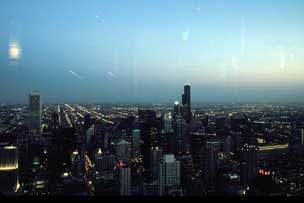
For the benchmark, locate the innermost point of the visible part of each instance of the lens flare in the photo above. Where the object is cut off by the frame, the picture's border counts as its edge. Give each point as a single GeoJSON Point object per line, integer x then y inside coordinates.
{"type": "Point", "coordinates": [14, 50]}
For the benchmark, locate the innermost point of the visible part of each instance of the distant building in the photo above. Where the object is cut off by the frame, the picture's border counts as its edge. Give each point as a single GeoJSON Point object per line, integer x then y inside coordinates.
{"type": "Point", "coordinates": [9, 182]}
{"type": "Point", "coordinates": [167, 122]}
{"type": "Point", "coordinates": [186, 101]}
{"type": "Point", "coordinates": [135, 143]}
{"type": "Point", "coordinates": [35, 107]}
{"type": "Point", "coordinates": [180, 135]}
{"type": "Point", "coordinates": [168, 174]}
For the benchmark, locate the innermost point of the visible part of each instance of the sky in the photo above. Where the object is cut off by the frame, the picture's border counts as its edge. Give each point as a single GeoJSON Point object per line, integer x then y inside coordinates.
{"type": "Point", "coordinates": [145, 51]}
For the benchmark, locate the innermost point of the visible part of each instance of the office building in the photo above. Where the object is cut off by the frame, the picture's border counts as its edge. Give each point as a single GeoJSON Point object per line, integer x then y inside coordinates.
{"type": "Point", "coordinates": [156, 155]}
{"type": "Point", "coordinates": [104, 164]}
{"type": "Point", "coordinates": [168, 122]}
{"type": "Point", "coordinates": [209, 165]}
{"type": "Point", "coordinates": [123, 151]}
{"type": "Point", "coordinates": [136, 143]}
{"type": "Point", "coordinates": [168, 174]}
{"type": "Point", "coordinates": [123, 179]}
{"type": "Point", "coordinates": [35, 107]}
{"type": "Point", "coordinates": [180, 135]}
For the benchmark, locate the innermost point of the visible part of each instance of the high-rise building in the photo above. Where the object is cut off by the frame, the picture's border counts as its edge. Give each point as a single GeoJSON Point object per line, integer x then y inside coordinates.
{"type": "Point", "coordinates": [150, 127]}
{"type": "Point", "coordinates": [76, 164]}
{"type": "Point", "coordinates": [156, 155]}
{"type": "Point", "coordinates": [135, 143]}
{"type": "Point", "coordinates": [9, 182]}
{"type": "Point", "coordinates": [186, 97]}
{"type": "Point", "coordinates": [249, 163]}
{"type": "Point", "coordinates": [35, 116]}
{"type": "Point", "coordinates": [180, 135]}
{"type": "Point", "coordinates": [90, 134]}
{"type": "Point", "coordinates": [209, 165]}
{"type": "Point", "coordinates": [168, 122]}
{"type": "Point", "coordinates": [123, 151]}
{"type": "Point", "coordinates": [104, 164]}
{"type": "Point", "coordinates": [177, 109]}
{"type": "Point", "coordinates": [168, 174]}
{"type": "Point", "coordinates": [123, 179]}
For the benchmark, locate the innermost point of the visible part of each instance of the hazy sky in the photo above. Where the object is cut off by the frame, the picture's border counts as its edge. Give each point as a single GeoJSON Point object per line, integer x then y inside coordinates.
{"type": "Point", "coordinates": [145, 50]}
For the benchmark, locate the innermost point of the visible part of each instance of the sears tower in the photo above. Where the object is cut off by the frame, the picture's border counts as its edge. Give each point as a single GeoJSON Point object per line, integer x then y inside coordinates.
{"type": "Point", "coordinates": [186, 101]}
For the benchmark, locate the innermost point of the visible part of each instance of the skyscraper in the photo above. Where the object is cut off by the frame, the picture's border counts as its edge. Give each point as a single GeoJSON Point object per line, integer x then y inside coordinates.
{"type": "Point", "coordinates": [180, 135]}
{"type": "Point", "coordinates": [167, 122]}
{"type": "Point", "coordinates": [156, 155]}
{"type": "Point", "coordinates": [149, 129]}
{"type": "Point", "coordinates": [186, 101]}
{"type": "Point", "coordinates": [9, 182]}
{"type": "Point", "coordinates": [135, 143]}
{"type": "Point", "coordinates": [35, 116]}
{"type": "Point", "coordinates": [104, 164]}
{"type": "Point", "coordinates": [123, 179]}
{"type": "Point", "coordinates": [249, 163]}
{"type": "Point", "coordinates": [168, 174]}
{"type": "Point", "coordinates": [90, 132]}
{"type": "Point", "coordinates": [123, 151]}
{"type": "Point", "coordinates": [209, 165]}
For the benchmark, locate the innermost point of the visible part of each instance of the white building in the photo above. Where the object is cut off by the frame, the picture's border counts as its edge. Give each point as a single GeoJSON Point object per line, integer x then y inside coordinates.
{"type": "Point", "coordinates": [168, 174]}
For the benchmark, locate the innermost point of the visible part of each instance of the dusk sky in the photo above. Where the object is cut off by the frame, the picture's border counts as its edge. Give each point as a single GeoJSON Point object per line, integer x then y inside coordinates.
{"type": "Point", "coordinates": [141, 51]}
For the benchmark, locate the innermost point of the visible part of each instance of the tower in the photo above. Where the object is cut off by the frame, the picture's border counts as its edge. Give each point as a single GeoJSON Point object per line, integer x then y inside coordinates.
{"type": "Point", "coordinates": [186, 101]}
{"type": "Point", "coordinates": [156, 155]}
{"type": "Point", "coordinates": [180, 135]}
{"type": "Point", "coordinates": [135, 143]}
{"type": "Point", "coordinates": [35, 116]}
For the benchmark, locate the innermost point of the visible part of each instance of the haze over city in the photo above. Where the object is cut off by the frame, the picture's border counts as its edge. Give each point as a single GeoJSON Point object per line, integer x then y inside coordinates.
{"type": "Point", "coordinates": [143, 51]}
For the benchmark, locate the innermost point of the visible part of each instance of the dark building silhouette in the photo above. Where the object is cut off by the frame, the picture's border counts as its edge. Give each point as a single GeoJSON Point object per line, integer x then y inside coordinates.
{"type": "Point", "coordinates": [186, 102]}
{"type": "Point", "coordinates": [150, 127]}
{"type": "Point", "coordinates": [249, 163]}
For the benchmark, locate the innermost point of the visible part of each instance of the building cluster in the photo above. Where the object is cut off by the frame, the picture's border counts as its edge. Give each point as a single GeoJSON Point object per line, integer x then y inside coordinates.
{"type": "Point", "coordinates": [180, 150]}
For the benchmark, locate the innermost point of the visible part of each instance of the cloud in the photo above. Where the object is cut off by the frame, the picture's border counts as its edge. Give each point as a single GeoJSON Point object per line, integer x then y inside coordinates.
{"type": "Point", "coordinates": [186, 35]}
{"type": "Point", "coordinates": [75, 74]}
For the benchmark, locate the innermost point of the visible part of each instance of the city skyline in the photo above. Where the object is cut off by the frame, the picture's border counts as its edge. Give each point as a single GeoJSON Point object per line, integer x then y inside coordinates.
{"type": "Point", "coordinates": [142, 51]}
